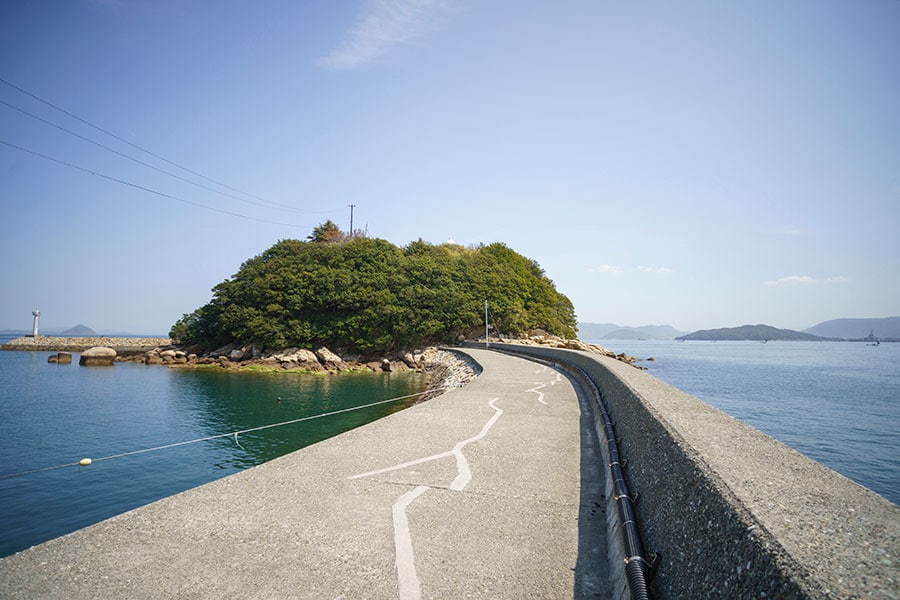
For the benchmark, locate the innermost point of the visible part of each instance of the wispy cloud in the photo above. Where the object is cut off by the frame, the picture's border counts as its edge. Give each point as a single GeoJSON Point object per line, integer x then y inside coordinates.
{"type": "Point", "coordinates": [795, 280]}
{"type": "Point", "coordinates": [383, 24]}
{"type": "Point", "coordinates": [608, 269]}
{"type": "Point", "coordinates": [656, 270]}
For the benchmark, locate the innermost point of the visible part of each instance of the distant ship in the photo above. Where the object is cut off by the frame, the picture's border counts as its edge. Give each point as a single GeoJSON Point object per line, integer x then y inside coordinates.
{"type": "Point", "coordinates": [871, 338]}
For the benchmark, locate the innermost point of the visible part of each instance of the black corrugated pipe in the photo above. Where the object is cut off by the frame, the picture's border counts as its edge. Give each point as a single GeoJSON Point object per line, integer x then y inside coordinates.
{"type": "Point", "coordinates": [638, 571]}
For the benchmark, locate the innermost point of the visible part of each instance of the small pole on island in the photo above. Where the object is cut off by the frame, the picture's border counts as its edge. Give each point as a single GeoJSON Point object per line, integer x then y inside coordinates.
{"type": "Point", "coordinates": [37, 316]}
{"type": "Point", "coordinates": [487, 340]}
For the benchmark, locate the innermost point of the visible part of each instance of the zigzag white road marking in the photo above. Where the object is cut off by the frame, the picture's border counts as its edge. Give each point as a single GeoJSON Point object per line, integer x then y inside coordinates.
{"type": "Point", "coordinates": [408, 583]}
{"type": "Point", "coordinates": [540, 394]}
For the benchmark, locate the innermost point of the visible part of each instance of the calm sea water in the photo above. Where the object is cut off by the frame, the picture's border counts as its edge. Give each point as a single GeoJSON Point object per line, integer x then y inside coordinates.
{"type": "Point", "coordinates": [56, 414]}
{"type": "Point", "coordinates": [836, 402]}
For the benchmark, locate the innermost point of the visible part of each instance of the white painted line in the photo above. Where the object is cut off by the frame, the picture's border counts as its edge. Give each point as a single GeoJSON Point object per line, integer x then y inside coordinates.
{"type": "Point", "coordinates": [409, 587]}
{"type": "Point", "coordinates": [408, 584]}
{"type": "Point", "coordinates": [462, 466]}
{"type": "Point", "coordinates": [540, 394]}
{"type": "Point", "coordinates": [558, 378]}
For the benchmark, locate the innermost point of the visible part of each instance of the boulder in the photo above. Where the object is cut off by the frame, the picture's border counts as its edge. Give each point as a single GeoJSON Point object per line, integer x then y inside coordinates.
{"type": "Point", "coordinates": [298, 358]}
{"type": "Point", "coordinates": [329, 359]}
{"type": "Point", "coordinates": [98, 356]}
{"type": "Point", "coordinates": [223, 351]}
{"type": "Point", "coordinates": [62, 358]}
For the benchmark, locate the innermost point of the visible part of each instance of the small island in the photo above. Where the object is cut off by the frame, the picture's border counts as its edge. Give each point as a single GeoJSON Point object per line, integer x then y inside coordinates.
{"type": "Point", "coordinates": [367, 297]}
{"type": "Point", "coordinates": [754, 333]}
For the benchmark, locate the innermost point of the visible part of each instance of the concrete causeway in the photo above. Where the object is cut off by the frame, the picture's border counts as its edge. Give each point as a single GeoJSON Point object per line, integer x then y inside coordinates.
{"type": "Point", "coordinates": [489, 491]}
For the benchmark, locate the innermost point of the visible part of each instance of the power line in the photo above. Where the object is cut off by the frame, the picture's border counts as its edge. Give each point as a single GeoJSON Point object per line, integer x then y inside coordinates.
{"type": "Point", "coordinates": [140, 187]}
{"type": "Point", "coordinates": [133, 145]}
{"type": "Point", "coordinates": [139, 161]}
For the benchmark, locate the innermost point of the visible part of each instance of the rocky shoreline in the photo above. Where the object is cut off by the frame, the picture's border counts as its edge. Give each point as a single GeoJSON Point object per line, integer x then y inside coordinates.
{"type": "Point", "coordinates": [444, 367]}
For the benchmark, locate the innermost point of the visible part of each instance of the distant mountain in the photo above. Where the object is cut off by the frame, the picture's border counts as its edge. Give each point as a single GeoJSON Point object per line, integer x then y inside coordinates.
{"type": "Point", "coordinates": [610, 331]}
{"type": "Point", "coordinates": [750, 332]}
{"type": "Point", "coordinates": [14, 332]}
{"type": "Point", "coordinates": [78, 330]}
{"type": "Point", "coordinates": [857, 329]}
{"type": "Point", "coordinates": [595, 331]}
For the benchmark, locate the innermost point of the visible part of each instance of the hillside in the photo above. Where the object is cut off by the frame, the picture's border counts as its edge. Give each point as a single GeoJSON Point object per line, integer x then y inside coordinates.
{"type": "Point", "coordinates": [610, 331]}
{"type": "Point", "coordinates": [367, 295]}
{"type": "Point", "coordinates": [78, 330]}
{"type": "Point", "coordinates": [750, 332]}
{"type": "Point", "coordinates": [857, 329]}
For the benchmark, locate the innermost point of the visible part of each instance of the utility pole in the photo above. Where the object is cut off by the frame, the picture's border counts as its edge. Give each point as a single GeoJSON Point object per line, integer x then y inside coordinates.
{"type": "Point", "coordinates": [352, 206]}
{"type": "Point", "coordinates": [487, 340]}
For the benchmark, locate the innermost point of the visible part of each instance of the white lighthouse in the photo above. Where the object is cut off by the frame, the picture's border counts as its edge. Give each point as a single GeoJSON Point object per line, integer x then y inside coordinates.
{"type": "Point", "coordinates": [37, 316]}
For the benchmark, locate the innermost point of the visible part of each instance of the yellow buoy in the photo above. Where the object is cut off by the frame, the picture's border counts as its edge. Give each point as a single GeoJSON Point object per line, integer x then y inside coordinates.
{"type": "Point", "coordinates": [84, 462]}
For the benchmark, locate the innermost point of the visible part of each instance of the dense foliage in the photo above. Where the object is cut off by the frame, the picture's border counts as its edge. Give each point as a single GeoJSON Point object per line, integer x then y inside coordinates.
{"type": "Point", "coordinates": [367, 295]}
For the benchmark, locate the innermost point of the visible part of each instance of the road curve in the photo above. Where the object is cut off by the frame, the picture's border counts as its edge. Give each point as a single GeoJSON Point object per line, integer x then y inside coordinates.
{"type": "Point", "coordinates": [488, 491]}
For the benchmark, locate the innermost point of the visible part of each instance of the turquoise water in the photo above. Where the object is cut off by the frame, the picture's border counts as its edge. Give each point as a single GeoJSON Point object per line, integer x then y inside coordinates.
{"type": "Point", "coordinates": [56, 414]}
{"type": "Point", "coordinates": [836, 402]}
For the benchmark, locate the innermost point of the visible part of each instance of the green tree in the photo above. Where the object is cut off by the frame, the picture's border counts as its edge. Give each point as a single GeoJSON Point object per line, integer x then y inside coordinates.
{"type": "Point", "coordinates": [327, 232]}
{"type": "Point", "coordinates": [367, 295]}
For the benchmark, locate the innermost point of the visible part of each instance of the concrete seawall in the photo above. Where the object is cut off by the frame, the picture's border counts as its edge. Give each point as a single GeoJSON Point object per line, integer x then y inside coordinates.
{"type": "Point", "coordinates": [733, 512]}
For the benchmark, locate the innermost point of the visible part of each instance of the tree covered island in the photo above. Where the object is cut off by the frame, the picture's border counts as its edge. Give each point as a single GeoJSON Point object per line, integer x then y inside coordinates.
{"type": "Point", "coordinates": [365, 295]}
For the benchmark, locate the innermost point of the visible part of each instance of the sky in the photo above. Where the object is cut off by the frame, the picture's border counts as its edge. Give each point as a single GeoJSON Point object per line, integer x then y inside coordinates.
{"type": "Point", "coordinates": [699, 164]}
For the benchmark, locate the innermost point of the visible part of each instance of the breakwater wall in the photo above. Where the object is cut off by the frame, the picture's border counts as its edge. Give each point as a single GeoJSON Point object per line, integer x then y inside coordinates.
{"type": "Point", "coordinates": [733, 512]}
{"type": "Point", "coordinates": [46, 343]}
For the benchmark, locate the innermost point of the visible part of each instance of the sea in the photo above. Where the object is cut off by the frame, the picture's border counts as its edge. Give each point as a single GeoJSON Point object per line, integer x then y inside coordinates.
{"type": "Point", "coordinates": [53, 415]}
{"type": "Point", "coordinates": [838, 403]}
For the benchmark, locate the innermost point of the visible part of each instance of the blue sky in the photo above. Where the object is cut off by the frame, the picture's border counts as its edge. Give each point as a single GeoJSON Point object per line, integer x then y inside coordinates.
{"type": "Point", "coordinates": [699, 164]}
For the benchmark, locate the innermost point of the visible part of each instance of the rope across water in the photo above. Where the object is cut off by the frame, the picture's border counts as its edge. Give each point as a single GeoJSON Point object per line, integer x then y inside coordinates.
{"type": "Point", "coordinates": [234, 434]}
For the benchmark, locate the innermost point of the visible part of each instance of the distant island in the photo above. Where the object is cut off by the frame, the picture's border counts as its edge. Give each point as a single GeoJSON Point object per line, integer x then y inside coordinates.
{"type": "Point", "coordinates": [757, 333]}
{"type": "Point", "coordinates": [611, 331]}
{"type": "Point", "coordinates": [838, 330]}
{"type": "Point", "coordinates": [78, 330]}
{"type": "Point", "coordinates": [884, 329]}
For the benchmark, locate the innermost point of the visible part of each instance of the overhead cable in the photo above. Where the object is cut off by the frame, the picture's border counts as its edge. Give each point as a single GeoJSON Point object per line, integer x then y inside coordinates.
{"type": "Point", "coordinates": [151, 153]}
{"type": "Point", "coordinates": [142, 149]}
{"type": "Point", "coordinates": [140, 187]}
{"type": "Point", "coordinates": [139, 161]}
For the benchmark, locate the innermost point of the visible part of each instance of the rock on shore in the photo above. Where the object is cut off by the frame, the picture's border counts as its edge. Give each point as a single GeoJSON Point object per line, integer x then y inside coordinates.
{"type": "Point", "coordinates": [97, 357]}
{"type": "Point", "coordinates": [541, 338]}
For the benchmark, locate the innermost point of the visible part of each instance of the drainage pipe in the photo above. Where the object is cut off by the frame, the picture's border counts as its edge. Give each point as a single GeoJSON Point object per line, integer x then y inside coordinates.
{"type": "Point", "coordinates": [638, 570]}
